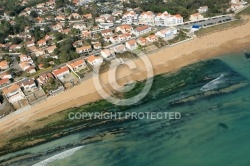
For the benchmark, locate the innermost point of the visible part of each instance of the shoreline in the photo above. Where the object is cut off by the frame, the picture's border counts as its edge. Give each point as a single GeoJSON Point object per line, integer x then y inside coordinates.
{"type": "Point", "coordinates": [163, 61]}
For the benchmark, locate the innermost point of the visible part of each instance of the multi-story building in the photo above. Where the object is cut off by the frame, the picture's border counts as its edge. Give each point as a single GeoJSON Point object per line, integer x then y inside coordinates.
{"type": "Point", "coordinates": [130, 17]}
{"type": "Point", "coordinates": [147, 18]}
{"type": "Point", "coordinates": [166, 19]}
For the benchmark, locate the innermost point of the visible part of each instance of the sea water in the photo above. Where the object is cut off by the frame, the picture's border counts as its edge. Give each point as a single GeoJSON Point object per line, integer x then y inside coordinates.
{"type": "Point", "coordinates": [212, 131]}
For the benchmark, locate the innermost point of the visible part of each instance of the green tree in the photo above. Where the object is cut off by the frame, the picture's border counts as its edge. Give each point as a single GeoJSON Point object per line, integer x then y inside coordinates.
{"type": "Point", "coordinates": [33, 14]}
{"type": "Point", "coordinates": [16, 40]}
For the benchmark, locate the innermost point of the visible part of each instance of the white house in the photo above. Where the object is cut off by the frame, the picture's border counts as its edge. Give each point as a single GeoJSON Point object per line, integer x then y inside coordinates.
{"type": "Point", "coordinates": [77, 65]}
{"type": "Point", "coordinates": [29, 85]}
{"type": "Point", "coordinates": [124, 28]}
{"type": "Point", "coordinates": [151, 38]}
{"type": "Point", "coordinates": [13, 93]}
{"type": "Point", "coordinates": [108, 54]}
{"type": "Point", "coordinates": [142, 41]}
{"type": "Point", "coordinates": [79, 26]}
{"type": "Point", "coordinates": [51, 49]}
{"type": "Point", "coordinates": [61, 72]}
{"type": "Point", "coordinates": [25, 58]}
{"type": "Point", "coordinates": [44, 78]}
{"type": "Point", "coordinates": [141, 30]}
{"type": "Point", "coordinates": [84, 49]}
{"type": "Point", "coordinates": [30, 43]}
{"type": "Point", "coordinates": [166, 32]}
{"type": "Point", "coordinates": [94, 60]}
{"type": "Point", "coordinates": [131, 45]}
{"type": "Point", "coordinates": [120, 48]}
{"type": "Point", "coordinates": [203, 9]}
{"type": "Point", "coordinates": [106, 32]}
{"type": "Point", "coordinates": [195, 17]}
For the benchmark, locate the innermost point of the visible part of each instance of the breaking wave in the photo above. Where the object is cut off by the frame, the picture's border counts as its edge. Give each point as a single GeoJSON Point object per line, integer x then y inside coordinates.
{"type": "Point", "coordinates": [59, 156]}
{"type": "Point", "coordinates": [213, 84]}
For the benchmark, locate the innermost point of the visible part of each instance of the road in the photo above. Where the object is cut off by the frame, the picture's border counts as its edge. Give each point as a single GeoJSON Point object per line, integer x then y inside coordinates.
{"type": "Point", "coordinates": [206, 22]}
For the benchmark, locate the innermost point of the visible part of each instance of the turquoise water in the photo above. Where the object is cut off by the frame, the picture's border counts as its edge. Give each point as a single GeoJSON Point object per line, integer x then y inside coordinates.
{"type": "Point", "coordinates": [213, 130]}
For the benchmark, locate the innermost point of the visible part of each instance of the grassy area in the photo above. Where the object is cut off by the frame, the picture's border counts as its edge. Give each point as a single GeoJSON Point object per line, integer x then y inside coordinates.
{"type": "Point", "coordinates": [127, 54]}
{"type": "Point", "coordinates": [221, 27]}
{"type": "Point", "coordinates": [53, 84]}
{"type": "Point", "coordinates": [160, 43]}
{"type": "Point", "coordinates": [180, 37]}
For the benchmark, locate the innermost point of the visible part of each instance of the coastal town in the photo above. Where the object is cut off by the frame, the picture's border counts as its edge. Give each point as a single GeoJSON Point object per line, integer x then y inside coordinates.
{"type": "Point", "coordinates": [54, 45]}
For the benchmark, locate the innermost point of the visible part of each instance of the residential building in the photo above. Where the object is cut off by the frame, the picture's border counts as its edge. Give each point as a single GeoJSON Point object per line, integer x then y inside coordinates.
{"type": "Point", "coordinates": [142, 41]}
{"type": "Point", "coordinates": [166, 19]}
{"type": "Point", "coordinates": [41, 43]}
{"type": "Point", "coordinates": [25, 58]}
{"type": "Point", "coordinates": [24, 65]}
{"type": "Point", "coordinates": [100, 19]}
{"type": "Point", "coordinates": [203, 9]}
{"type": "Point", "coordinates": [44, 78]}
{"type": "Point", "coordinates": [235, 7]}
{"type": "Point", "coordinates": [97, 46]}
{"type": "Point", "coordinates": [130, 17]}
{"type": "Point", "coordinates": [141, 30]}
{"type": "Point", "coordinates": [74, 16]}
{"type": "Point", "coordinates": [4, 82]}
{"type": "Point", "coordinates": [13, 93]}
{"type": "Point", "coordinates": [84, 49]}
{"type": "Point", "coordinates": [38, 52]}
{"type": "Point", "coordinates": [79, 26]}
{"type": "Point", "coordinates": [30, 43]}
{"type": "Point", "coordinates": [61, 72]}
{"type": "Point", "coordinates": [131, 45]}
{"type": "Point", "coordinates": [31, 70]}
{"type": "Point", "coordinates": [107, 32]}
{"type": "Point", "coordinates": [86, 34]}
{"type": "Point", "coordinates": [151, 38]}
{"type": "Point", "coordinates": [51, 49]}
{"type": "Point", "coordinates": [108, 54]}
{"type": "Point", "coordinates": [4, 65]}
{"type": "Point", "coordinates": [95, 60]}
{"type": "Point", "coordinates": [166, 32]}
{"type": "Point", "coordinates": [6, 75]}
{"type": "Point", "coordinates": [57, 27]}
{"type": "Point", "coordinates": [29, 85]}
{"type": "Point", "coordinates": [241, 2]}
{"type": "Point", "coordinates": [77, 65]}
{"type": "Point", "coordinates": [147, 18]}
{"type": "Point", "coordinates": [60, 18]}
{"type": "Point", "coordinates": [195, 17]}
{"type": "Point", "coordinates": [120, 48]}
{"type": "Point", "coordinates": [120, 38]}
{"type": "Point", "coordinates": [78, 43]}
{"type": "Point", "coordinates": [124, 28]}
{"type": "Point", "coordinates": [88, 16]}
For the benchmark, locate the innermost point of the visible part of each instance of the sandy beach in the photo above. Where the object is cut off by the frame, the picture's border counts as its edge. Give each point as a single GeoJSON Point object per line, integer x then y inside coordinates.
{"type": "Point", "coordinates": [165, 60]}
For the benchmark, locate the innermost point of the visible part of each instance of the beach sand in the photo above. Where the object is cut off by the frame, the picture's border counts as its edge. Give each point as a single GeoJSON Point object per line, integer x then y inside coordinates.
{"type": "Point", "coordinates": [165, 60]}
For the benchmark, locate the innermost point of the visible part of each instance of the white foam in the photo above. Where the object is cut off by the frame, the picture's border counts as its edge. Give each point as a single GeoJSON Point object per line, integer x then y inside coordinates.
{"type": "Point", "coordinates": [59, 156]}
{"type": "Point", "coordinates": [212, 84]}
